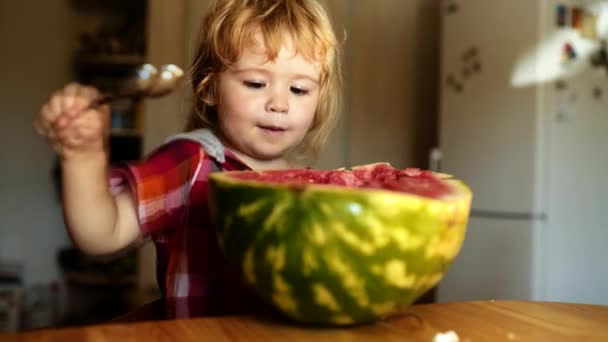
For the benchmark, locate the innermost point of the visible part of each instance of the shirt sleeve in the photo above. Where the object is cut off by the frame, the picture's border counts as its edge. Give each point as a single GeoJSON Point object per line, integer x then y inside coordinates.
{"type": "Point", "coordinates": [160, 184]}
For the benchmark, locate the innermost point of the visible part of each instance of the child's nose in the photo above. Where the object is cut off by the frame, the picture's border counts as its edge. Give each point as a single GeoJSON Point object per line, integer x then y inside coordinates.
{"type": "Point", "coordinates": [278, 103]}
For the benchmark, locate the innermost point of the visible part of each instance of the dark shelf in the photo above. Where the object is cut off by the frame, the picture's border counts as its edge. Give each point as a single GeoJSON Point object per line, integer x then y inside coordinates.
{"type": "Point", "coordinates": [122, 133]}
{"type": "Point", "coordinates": [107, 59]}
{"type": "Point", "coordinates": [118, 6]}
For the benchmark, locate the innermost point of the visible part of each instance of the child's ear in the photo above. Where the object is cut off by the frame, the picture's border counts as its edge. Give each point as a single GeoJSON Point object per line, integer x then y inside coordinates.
{"type": "Point", "coordinates": [209, 98]}
{"type": "Point", "coordinates": [209, 92]}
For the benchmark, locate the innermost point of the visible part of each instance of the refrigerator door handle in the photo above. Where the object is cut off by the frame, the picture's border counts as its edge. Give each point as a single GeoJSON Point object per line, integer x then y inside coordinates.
{"type": "Point", "coordinates": [508, 215]}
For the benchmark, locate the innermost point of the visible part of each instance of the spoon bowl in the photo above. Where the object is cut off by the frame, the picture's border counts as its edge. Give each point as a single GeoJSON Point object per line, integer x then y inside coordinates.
{"type": "Point", "coordinates": [165, 81]}
{"type": "Point", "coordinates": [142, 78]}
{"type": "Point", "coordinates": [148, 81]}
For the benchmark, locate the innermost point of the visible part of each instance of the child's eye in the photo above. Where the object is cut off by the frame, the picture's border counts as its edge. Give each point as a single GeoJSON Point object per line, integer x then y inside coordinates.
{"type": "Point", "coordinates": [299, 91]}
{"type": "Point", "coordinates": [254, 84]}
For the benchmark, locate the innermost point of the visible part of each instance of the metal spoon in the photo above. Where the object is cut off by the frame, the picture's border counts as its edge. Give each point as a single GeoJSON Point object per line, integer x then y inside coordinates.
{"type": "Point", "coordinates": [147, 82]}
{"type": "Point", "coordinates": [166, 80]}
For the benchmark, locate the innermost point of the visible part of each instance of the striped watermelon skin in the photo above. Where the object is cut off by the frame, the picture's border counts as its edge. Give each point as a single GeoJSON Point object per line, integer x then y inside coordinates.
{"type": "Point", "coordinates": [336, 255]}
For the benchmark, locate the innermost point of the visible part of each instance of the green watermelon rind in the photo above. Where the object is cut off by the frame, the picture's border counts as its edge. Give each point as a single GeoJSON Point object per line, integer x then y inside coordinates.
{"type": "Point", "coordinates": [348, 262]}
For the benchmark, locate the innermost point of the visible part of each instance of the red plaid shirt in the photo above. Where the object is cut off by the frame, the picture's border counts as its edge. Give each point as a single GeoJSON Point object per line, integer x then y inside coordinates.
{"type": "Point", "coordinates": [170, 191]}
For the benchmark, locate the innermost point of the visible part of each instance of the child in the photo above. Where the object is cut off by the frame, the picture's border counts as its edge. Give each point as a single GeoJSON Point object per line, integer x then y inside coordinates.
{"type": "Point", "coordinates": [266, 85]}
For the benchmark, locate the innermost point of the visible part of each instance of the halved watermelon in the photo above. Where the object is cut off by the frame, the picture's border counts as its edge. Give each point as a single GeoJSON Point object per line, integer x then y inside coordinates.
{"type": "Point", "coordinates": [343, 246]}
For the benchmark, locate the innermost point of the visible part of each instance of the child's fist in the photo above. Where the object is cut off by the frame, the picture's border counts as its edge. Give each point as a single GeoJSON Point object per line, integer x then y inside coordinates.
{"type": "Point", "coordinates": [71, 122]}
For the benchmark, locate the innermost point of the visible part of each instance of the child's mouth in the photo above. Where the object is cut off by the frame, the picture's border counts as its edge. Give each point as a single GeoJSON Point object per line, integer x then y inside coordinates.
{"type": "Point", "coordinates": [273, 129]}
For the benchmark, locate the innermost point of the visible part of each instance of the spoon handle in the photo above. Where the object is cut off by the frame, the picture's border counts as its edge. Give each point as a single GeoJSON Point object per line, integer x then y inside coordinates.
{"type": "Point", "coordinates": [107, 98]}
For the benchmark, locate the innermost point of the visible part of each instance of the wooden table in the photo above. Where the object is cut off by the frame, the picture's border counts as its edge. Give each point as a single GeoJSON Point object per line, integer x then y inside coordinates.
{"type": "Point", "coordinates": [472, 321]}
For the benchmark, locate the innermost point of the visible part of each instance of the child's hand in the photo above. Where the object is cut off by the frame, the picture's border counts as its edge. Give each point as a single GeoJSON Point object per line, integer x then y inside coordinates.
{"type": "Point", "coordinates": [71, 127]}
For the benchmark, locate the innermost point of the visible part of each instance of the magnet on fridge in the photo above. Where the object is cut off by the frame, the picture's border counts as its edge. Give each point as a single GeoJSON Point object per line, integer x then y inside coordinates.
{"type": "Point", "coordinates": [471, 53]}
{"type": "Point", "coordinates": [570, 50]}
{"type": "Point", "coordinates": [458, 87]}
{"type": "Point", "coordinates": [568, 53]}
{"type": "Point", "coordinates": [452, 7]}
{"type": "Point", "coordinates": [600, 58]}
{"type": "Point", "coordinates": [450, 80]}
{"type": "Point", "coordinates": [477, 66]}
{"type": "Point", "coordinates": [597, 93]}
{"type": "Point", "coordinates": [453, 83]}
{"type": "Point", "coordinates": [576, 18]}
{"type": "Point", "coordinates": [562, 14]}
{"type": "Point", "coordinates": [589, 26]}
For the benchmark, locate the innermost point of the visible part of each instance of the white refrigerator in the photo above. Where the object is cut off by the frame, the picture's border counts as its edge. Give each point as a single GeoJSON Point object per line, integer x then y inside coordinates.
{"type": "Point", "coordinates": [524, 121]}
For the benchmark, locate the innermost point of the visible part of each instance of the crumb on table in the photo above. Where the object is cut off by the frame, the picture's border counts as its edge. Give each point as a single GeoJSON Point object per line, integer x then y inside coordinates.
{"type": "Point", "coordinates": [448, 336]}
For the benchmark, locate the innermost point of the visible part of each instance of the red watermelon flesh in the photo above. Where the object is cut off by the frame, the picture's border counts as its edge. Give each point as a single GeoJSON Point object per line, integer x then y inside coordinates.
{"type": "Point", "coordinates": [375, 176]}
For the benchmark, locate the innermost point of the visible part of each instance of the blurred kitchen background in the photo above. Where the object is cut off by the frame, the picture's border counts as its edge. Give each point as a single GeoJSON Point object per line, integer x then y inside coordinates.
{"type": "Point", "coordinates": [511, 96]}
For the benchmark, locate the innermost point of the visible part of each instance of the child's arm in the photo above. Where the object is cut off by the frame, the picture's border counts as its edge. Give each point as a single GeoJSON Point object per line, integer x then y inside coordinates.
{"type": "Point", "coordinates": [97, 221]}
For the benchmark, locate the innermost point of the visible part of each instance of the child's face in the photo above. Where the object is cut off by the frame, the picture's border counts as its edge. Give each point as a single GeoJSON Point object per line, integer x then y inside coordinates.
{"type": "Point", "coordinates": [266, 107]}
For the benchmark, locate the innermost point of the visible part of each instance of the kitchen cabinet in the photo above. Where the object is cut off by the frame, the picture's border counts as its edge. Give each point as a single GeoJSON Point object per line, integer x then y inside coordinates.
{"type": "Point", "coordinates": [111, 45]}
